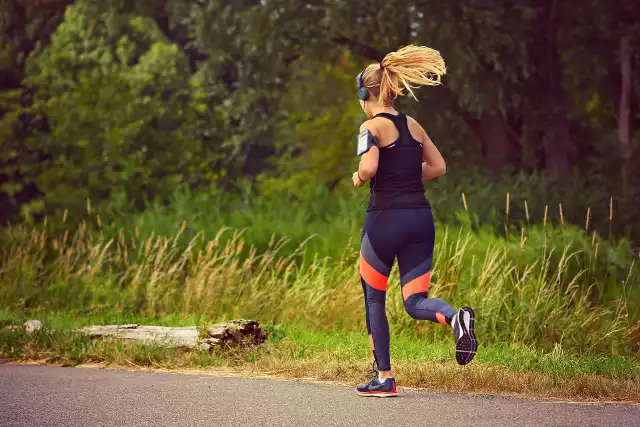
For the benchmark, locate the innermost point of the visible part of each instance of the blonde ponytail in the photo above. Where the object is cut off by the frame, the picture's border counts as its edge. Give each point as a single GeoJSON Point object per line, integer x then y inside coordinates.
{"type": "Point", "coordinates": [408, 68]}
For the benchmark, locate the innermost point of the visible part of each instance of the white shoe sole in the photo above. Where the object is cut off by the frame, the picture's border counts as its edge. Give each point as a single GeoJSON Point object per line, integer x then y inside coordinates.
{"type": "Point", "coordinates": [377, 395]}
{"type": "Point", "coordinates": [467, 344]}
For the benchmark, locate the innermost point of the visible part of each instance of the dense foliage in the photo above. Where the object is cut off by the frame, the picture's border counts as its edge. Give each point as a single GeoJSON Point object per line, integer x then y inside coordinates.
{"type": "Point", "coordinates": [118, 101]}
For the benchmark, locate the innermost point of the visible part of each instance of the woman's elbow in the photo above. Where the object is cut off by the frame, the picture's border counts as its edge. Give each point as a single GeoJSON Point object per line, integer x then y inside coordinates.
{"type": "Point", "coordinates": [369, 170]}
{"type": "Point", "coordinates": [442, 169]}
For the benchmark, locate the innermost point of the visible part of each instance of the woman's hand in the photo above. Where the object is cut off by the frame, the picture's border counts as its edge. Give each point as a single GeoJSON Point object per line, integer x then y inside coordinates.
{"type": "Point", "coordinates": [356, 180]}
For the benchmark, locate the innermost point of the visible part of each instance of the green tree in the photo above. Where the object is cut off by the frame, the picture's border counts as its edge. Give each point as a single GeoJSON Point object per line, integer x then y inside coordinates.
{"type": "Point", "coordinates": [315, 138]}
{"type": "Point", "coordinates": [108, 119]}
{"type": "Point", "coordinates": [24, 25]}
{"type": "Point", "coordinates": [243, 52]}
{"type": "Point", "coordinates": [533, 86]}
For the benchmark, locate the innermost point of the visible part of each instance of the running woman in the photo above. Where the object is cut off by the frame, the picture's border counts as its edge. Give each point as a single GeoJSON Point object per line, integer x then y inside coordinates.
{"type": "Point", "coordinates": [399, 223]}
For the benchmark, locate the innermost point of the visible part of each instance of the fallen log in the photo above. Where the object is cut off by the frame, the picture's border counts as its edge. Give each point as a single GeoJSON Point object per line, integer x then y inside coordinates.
{"type": "Point", "coordinates": [173, 337]}
{"type": "Point", "coordinates": [235, 333]}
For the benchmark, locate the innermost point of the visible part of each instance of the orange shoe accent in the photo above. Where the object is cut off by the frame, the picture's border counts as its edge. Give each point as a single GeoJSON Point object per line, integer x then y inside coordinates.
{"type": "Point", "coordinates": [372, 276]}
{"type": "Point", "coordinates": [441, 318]}
{"type": "Point", "coordinates": [421, 284]}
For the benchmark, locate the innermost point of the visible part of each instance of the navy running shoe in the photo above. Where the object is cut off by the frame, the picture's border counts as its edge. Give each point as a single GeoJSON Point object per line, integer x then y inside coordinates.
{"type": "Point", "coordinates": [377, 388]}
{"type": "Point", "coordinates": [466, 342]}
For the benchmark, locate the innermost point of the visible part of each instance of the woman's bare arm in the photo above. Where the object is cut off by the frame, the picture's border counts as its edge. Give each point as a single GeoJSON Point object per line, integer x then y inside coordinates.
{"type": "Point", "coordinates": [369, 160]}
{"type": "Point", "coordinates": [433, 164]}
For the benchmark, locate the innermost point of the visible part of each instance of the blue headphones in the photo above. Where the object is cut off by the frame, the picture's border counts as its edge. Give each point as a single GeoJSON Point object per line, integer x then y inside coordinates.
{"type": "Point", "coordinates": [363, 92]}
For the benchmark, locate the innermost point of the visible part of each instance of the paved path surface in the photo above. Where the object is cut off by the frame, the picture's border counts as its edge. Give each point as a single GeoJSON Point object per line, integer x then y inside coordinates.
{"type": "Point", "coordinates": [36, 396]}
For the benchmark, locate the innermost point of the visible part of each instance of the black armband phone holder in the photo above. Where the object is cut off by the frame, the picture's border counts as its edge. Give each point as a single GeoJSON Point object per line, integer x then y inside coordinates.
{"type": "Point", "coordinates": [366, 140]}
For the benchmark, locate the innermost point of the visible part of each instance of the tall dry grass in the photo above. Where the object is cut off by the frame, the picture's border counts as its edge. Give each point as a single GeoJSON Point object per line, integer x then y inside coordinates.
{"type": "Point", "coordinates": [529, 290]}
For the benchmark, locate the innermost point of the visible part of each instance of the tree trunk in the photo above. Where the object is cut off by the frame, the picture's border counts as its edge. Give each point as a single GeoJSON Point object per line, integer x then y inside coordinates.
{"type": "Point", "coordinates": [624, 125]}
{"type": "Point", "coordinates": [557, 138]}
{"type": "Point", "coordinates": [497, 146]}
{"type": "Point", "coordinates": [491, 129]}
{"type": "Point", "coordinates": [558, 143]}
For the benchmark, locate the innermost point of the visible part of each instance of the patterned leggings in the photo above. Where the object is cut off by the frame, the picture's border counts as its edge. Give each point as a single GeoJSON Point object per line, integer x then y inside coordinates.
{"type": "Point", "coordinates": [409, 235]}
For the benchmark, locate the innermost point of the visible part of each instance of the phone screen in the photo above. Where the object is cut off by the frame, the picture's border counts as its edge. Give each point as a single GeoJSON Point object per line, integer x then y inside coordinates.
{"type": "Point", "coordinates": [362, 142]}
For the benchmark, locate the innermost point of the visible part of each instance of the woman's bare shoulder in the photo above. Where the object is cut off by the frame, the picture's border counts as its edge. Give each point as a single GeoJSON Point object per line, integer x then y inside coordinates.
{"type": "Point", "coordinates": [416, 129]}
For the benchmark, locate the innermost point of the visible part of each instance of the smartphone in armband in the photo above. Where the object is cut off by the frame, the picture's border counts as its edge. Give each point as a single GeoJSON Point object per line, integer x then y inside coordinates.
{"type": "Point", "coordinates": [366, 140]}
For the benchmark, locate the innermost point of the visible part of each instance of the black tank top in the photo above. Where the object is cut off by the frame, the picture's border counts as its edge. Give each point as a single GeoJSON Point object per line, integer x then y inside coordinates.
{"type": "Point", "coordinates": [398, 181]}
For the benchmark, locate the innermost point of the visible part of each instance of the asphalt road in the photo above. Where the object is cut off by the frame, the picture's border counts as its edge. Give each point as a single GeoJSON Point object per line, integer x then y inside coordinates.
{"type": "Point", "coordinates": [37, 396]}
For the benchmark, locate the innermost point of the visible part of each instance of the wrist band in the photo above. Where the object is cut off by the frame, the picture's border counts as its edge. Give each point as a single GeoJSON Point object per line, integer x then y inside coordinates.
{"type": "Point", "coordinates": [360, 178]}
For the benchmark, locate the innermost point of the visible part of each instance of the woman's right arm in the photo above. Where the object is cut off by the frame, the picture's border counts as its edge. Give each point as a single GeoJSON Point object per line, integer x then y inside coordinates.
{"type": "Point", "coordinates": [433, 164]}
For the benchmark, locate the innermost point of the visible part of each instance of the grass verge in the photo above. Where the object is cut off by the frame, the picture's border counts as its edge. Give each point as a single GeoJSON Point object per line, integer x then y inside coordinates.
{"type": "Point", "coordinates": [296, 352]}
{"type": "Point", "coordinates": [544, 288]}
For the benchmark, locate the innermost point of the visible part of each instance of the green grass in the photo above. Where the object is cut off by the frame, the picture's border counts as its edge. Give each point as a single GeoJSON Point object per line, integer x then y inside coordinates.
{"type": "Point", "coordinates": [541, 289]}
{"type": "Point", "coordinates": [542, 283]}
{"type": "Point", "coordinates": [327, 219]}
{"type": "Point", "coordinates": [297, 352]}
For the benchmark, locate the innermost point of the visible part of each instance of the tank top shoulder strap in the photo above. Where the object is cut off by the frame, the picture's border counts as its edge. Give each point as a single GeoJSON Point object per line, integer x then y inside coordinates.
{"type": "Point", "coordinates": [400, 121]}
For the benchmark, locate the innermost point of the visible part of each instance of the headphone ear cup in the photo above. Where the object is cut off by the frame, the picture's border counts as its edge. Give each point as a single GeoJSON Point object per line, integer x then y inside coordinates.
{"type": "Point", "coordinates": [363, 93]}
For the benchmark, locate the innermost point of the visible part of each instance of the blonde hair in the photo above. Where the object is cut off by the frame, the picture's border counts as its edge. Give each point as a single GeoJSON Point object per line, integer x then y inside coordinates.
{"type": "Point", "coordinates": [408, 68]}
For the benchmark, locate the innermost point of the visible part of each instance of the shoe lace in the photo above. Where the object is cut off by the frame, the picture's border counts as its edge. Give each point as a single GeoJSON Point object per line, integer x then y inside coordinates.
{"type": "Point", "coordinates": [373, 372]}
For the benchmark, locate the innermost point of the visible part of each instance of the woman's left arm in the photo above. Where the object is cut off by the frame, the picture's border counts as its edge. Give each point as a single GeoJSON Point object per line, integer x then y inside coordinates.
{"type": "Point", "coordinates": [369, 160]}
